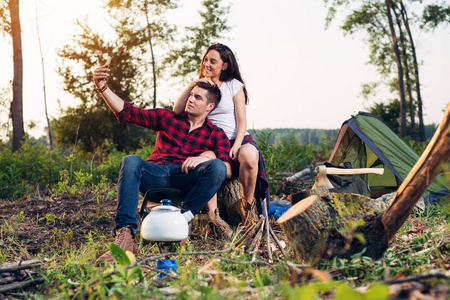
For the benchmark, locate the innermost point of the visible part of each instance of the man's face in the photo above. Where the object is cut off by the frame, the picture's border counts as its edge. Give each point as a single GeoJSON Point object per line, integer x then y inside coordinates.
{"type": "Point", "coordinates": [197, 103]}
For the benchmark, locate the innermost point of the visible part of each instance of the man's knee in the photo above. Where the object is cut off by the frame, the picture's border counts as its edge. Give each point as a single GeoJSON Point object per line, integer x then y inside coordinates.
{"type": "Point", "coordinates": [130, 163]}
{"type": "Point", "coordinates": [218, 168]}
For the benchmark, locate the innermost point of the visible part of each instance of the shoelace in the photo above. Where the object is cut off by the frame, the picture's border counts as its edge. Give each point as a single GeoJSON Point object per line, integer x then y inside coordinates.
{"type": "Point", "coordinates": [120, 237]}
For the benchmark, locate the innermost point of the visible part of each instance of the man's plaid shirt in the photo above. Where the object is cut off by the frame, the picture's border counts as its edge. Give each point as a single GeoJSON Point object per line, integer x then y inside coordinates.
{"type": "Point", "coordinates": [174, 143]}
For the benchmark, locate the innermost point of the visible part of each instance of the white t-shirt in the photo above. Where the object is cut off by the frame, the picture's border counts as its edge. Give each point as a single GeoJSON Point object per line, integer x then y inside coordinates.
{"type": "Point", "coordinates": [223, 115]}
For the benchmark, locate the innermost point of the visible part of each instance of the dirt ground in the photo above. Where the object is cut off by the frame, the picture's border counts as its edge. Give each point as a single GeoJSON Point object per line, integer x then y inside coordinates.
{"type": "Point", "coordinates": [38, 221]}
{"type": "Point", "coordinates": [37, 224]}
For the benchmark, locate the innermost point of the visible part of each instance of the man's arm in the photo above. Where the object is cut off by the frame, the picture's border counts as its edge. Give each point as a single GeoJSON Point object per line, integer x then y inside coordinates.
{"type": "Point", "coordinates": [192, 162]}
{"type": "Point", "coordinates": [210, 154]}
{"type": "Point", "coordinates": [114, 102]}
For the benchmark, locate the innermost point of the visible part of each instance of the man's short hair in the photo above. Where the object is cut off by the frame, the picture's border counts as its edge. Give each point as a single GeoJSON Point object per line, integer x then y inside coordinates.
{"type": "Point", "coordinates": [214, 95]}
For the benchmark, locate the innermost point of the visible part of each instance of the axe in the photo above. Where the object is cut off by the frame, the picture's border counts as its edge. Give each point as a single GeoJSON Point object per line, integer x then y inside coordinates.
{"type": "Point", "coordinates": [323, 181]}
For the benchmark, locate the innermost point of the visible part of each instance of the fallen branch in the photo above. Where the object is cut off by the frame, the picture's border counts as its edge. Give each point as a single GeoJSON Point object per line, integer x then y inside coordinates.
{"type": "Point", "coordinates": [20, 265]}
{"type": "Point", "coordinates": [257, 240]}
{"type": "Point", "coordinates": [266, 217]}
{"type": "Point", "coordinates": [19, 268]}
{"type": "Point", "coordinates": [22, 285]}
{"type": "Point", "coordinates": [277, 241]}
{"type": "Point", "coordinates": [418, 278]}
{"type": "Point", "coordinates": [240, 241]}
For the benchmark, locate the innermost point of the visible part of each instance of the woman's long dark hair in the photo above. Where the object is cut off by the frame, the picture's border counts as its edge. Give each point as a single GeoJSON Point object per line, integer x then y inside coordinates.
{"type": "Point", "coordinates": [228, 57]}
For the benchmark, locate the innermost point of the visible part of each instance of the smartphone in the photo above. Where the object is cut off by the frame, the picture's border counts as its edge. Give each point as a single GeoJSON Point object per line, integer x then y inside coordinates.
{"type": "Point", "coordinates": [108, 62]}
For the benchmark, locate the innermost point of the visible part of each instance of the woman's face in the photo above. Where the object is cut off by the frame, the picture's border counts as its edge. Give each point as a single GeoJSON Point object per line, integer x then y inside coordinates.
{"type": "Point", "coordinates": [213, 65]}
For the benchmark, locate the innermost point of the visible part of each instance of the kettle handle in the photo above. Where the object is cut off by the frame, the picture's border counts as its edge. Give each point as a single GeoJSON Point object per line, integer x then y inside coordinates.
{"type": "Point", "coordinates": [152, 196]}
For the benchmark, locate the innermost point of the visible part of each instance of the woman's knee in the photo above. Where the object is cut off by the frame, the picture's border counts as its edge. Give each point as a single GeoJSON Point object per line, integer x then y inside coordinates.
{"type": "Point", "coordinates": [248, 156]}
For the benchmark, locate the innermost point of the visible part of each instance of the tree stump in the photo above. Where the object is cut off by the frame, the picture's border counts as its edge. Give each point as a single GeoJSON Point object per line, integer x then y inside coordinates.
{"type": "Point", "coordinates": [331, 225]}
{"type": "Point", "coordinates": [229, 201]}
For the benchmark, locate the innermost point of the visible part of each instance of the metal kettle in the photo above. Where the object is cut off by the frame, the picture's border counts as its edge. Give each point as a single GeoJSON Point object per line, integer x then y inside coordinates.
{"type": "Point", "coordinates": [166, 223]}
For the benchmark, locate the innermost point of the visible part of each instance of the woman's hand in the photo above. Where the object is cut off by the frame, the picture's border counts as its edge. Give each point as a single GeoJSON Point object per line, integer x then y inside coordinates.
{"type": "Point", "coordinates": [100, 75]}
{"type": "Point", "coordinates": [204, 79]}
{"type": "Point", "coordinates": [234, 152]}
{"type": "Point", "coordinates": [180, 104]}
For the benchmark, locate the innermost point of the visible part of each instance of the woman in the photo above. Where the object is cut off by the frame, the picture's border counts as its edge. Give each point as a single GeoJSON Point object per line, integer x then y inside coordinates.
{"type": "Point", "coordinates": [219, 65]}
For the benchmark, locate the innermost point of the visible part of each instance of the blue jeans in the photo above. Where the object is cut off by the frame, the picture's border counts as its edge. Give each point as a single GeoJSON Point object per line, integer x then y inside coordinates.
{"type": "Point", "coordinates": [138, 175]}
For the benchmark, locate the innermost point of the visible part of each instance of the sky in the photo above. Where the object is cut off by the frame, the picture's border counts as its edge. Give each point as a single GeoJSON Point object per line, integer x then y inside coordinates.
{"type": "Point", "coordinates": [298, 74]}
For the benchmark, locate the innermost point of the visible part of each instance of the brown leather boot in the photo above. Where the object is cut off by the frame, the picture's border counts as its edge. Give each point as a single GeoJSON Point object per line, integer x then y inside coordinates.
{"type": "Point", "coordinates": [250, 212]}
{"type": "Point", "coordinates": [220, 225]}
{"type": "Point", "coordinates": [124, 239]}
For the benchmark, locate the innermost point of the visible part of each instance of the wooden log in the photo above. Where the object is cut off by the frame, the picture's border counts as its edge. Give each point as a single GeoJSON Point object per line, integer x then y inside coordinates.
{"type": "Point", "coordinates": [324, 226]}
{"type": "Point", "coordinates": [20, 285]}
{"type": "Point", "coordinates": [229, 200]}
{"type": "Point", "coordinates": [419, 178]}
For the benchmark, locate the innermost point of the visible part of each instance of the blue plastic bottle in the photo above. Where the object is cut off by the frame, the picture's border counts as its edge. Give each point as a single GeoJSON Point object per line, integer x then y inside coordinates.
{"type": "Point", "coordinates": [165, 265]}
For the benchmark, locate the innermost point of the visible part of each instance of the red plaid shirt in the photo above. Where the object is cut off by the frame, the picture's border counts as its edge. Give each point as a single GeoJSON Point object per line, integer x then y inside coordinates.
{"type": "Point", "coordinates": [174, 143]}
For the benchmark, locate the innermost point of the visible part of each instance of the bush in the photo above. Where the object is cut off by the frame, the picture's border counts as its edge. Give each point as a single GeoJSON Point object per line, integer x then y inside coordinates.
{"type": "Point", "coordinates": [34, 167]}
{"type": "Point", "coordinates": [289, 156]}
{"type": "Point", "coordinates": [31, 167]}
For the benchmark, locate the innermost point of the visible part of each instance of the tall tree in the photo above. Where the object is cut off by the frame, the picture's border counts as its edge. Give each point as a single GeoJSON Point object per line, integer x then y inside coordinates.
{"type": "Point", "coordinates": [404, 56]}
{"type": "Point", "coordinates": [17, 102]}
{"type": "Point", "coordinates": [91, 123]}
{"type": "Point", "coordinates": [416, 81]}
{"type": "Point", "coordinates": [185, 60]}
{"type": "Point", "coordinates": [49, 129]}
{"type": "Point", "coordinates": [390, 38]}
{"type": "Point", "coordinates": [398, 60]}
{"type": "Point", "coordinates": [157, 31]}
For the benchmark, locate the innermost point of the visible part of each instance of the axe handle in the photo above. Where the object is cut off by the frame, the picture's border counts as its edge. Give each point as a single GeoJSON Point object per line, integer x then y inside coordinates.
{"type": "Point", "coordinates": [339, 171]}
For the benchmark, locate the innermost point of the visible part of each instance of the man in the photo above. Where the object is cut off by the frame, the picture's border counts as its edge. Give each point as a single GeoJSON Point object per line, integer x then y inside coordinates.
{"type": "Point", "coordinates": [176, 160]}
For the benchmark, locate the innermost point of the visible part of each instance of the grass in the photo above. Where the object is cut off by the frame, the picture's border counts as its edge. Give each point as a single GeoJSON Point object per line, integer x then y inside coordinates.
{"type": "Point", "coordinates": [68, 233]}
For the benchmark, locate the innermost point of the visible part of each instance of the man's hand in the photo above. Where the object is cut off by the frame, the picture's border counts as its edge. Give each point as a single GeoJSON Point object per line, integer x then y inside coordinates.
{"type": "Point", "coordinates": [192, 162]}
{"type": "Point", "coordinates": [100, 74]}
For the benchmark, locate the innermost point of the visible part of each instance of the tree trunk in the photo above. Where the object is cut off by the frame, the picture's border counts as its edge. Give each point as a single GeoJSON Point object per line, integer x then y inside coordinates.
{"type": "Point", "coordinates": [419, 178]}
{"type": "Point", "coordinates": [416, 72]}
{"type": "Point", "coordinates": [229, 201]}
{"type": "Point", "coordinates": [151, 51]}
{"type": "Point", "coordinates": [50, 139]}
{"type": "Point", "coordinates": [403, 43]}
{"type": "Point", "coordinates": [331, 224]}
{"type": "Point", "coordinates": [17, 102]}
{"type": "Point", "coordinates": [401, 88]}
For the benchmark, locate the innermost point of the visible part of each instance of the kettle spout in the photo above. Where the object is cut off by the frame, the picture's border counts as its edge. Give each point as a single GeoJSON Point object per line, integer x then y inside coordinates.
{"type": "Point", "coordinates": [188, 216]}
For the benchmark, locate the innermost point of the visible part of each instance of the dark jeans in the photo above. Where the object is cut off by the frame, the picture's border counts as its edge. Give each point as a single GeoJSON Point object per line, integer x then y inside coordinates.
{"type": "Point", "coordinates": [138, 175]}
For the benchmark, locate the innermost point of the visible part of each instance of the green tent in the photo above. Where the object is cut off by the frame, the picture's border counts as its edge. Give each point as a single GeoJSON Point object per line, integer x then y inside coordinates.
{"type": "Point", "coordinates": [366, 141]}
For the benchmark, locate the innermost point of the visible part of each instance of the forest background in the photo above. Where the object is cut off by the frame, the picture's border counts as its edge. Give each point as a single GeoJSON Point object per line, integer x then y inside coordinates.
{"type": "Point", "coordinates": [57, 191]}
